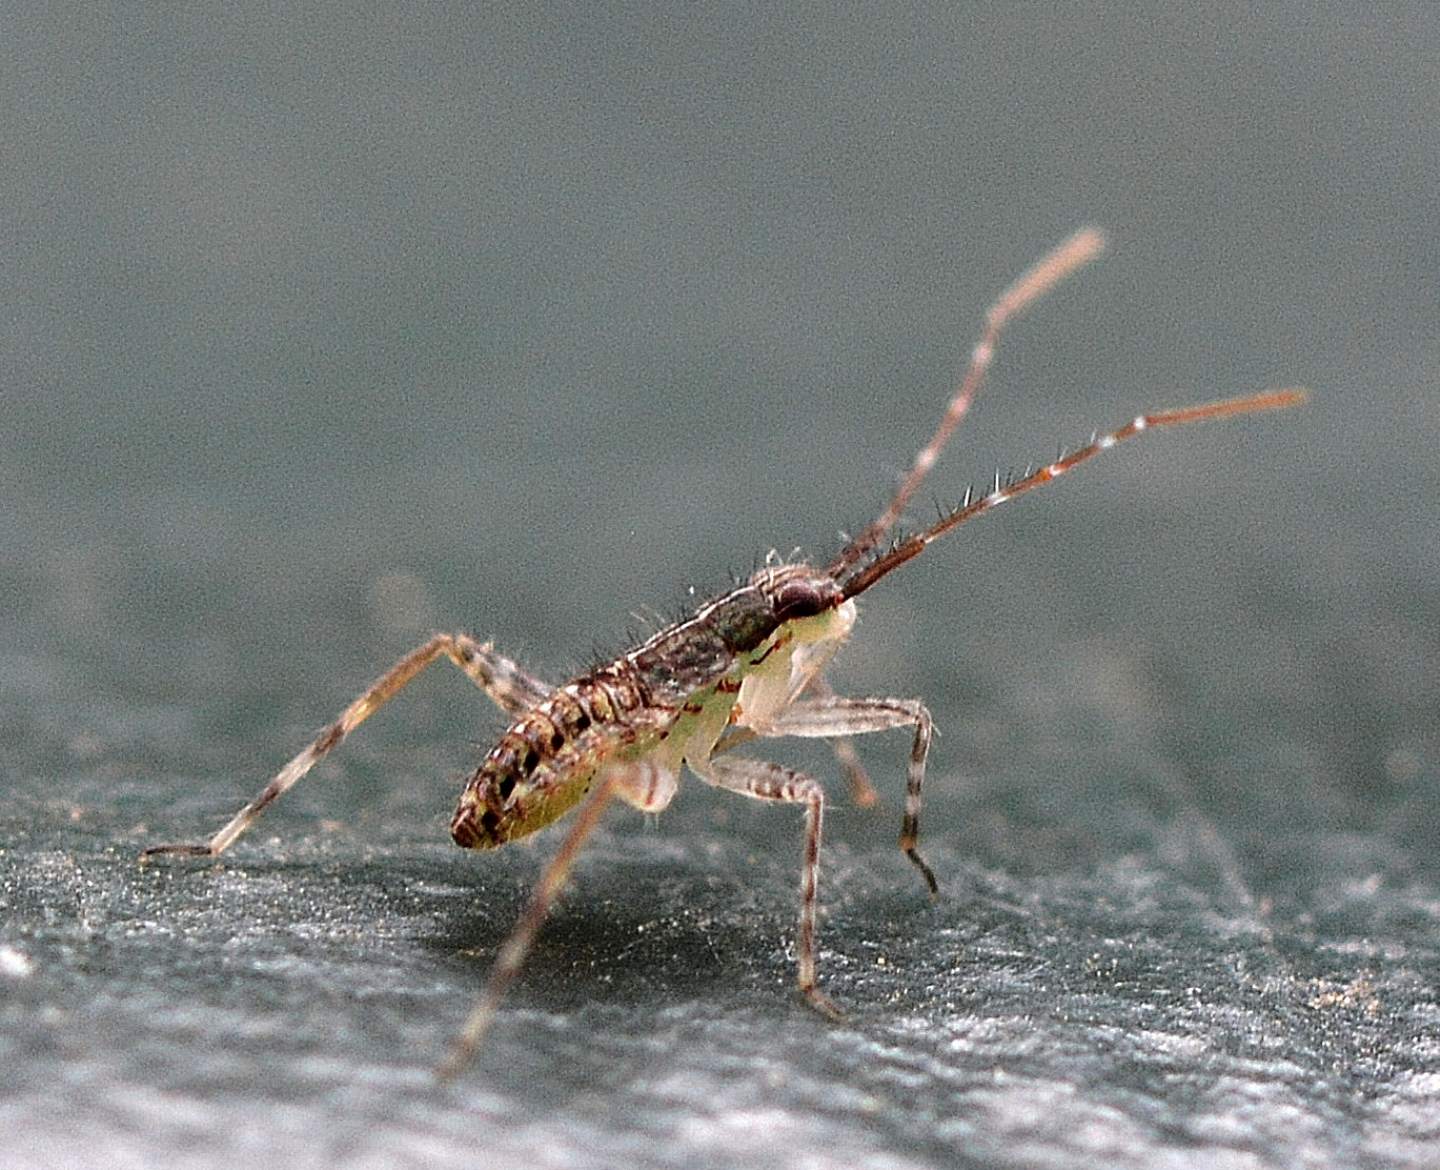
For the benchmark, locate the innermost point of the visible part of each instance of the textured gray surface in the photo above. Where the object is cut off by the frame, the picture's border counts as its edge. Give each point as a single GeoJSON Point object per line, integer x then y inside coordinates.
{"type": "Point", "coordinates": [323, 332]}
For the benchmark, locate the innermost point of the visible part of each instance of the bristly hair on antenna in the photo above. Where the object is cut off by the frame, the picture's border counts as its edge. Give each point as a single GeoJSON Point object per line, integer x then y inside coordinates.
{"type": "Point", "coordinates": [854, 581]}
{"type": "Point", "coordinates": [1065, 259]}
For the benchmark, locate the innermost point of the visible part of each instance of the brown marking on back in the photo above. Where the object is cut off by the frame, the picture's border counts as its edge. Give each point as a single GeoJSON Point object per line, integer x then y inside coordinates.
{"type": "Point", "coordinates": [770, 649]}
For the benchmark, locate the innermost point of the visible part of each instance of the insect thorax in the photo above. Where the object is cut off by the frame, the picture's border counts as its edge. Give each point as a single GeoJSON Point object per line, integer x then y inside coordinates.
{"type": "Point", "coordinates": [724, 636]}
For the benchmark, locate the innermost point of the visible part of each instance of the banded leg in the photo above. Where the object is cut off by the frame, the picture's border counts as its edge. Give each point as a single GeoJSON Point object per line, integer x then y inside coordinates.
{"type": "Point", "coordinates": [508, 686]}
{"type": "Point", "coordinates": [824, 718]}
{"type": "Point", "coordinates": [642, 783]}
{"type": "Point", "coordinates": [862, 791]}
{"type": "Point", "coordinates": [505, 682]}
{"type": "Point", "coordinates": [763, 780]}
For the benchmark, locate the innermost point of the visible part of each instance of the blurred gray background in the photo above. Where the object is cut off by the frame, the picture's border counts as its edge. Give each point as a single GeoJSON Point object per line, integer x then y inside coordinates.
{"type": "Point", "coordinates": [326, 329]}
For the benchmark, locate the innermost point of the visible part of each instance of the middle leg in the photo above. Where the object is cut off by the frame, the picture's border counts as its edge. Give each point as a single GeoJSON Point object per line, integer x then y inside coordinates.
{"type": "Point", "coordinates": [642, 783]}
{"type": "Point", "coordinates": [763, 780]}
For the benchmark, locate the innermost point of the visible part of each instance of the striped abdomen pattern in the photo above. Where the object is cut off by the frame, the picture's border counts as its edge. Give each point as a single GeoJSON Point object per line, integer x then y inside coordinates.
{"type": "Point", "coordinates": [543, 764]}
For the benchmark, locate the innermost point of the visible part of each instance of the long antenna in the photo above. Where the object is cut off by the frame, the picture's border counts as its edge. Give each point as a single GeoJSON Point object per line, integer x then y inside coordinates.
{"type": "Point", "coordinates": [1073, 254]}
{"type": "Point", "coordinates": [912, 546]}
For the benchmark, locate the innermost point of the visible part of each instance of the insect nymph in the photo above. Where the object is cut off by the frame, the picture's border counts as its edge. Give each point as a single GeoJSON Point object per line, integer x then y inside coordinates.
{"type": "Point", "coordinates": [746, 665]}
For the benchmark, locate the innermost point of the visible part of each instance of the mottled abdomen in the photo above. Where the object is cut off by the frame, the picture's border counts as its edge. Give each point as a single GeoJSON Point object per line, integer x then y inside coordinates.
{"type": "Point", "coordinates": [547, 759]}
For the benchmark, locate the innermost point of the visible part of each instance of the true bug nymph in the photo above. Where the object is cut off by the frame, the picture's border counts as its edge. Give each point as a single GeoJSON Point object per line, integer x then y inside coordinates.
{"type": "Point", "coordinates": [745, 665]}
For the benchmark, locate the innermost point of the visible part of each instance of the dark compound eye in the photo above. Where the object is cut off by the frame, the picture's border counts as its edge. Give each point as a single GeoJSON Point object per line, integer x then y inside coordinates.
{"type": "Point", "coordinates": [799, 599]}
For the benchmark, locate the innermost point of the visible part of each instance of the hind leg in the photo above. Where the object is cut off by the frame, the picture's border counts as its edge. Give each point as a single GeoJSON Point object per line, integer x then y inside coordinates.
{"type": "Point", "coordinates": [507, 685]}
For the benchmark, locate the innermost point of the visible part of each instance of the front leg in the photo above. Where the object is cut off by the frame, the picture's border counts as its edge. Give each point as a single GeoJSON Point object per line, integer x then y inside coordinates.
{"type": "Point", "coordinates": [862, 791]}
{"type": "Point", "coordinates": [835, 716]}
